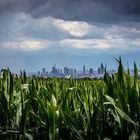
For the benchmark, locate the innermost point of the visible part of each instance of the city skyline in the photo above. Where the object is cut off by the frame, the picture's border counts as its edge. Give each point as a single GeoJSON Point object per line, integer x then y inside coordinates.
{"type": "Point", "coordinates": [85, 69]}
{"type": "Point", "coordinates": [113, 66]}
{"type": "Point", "coordinates": [70, 72]}
{"type": "Point", "coordinates": [70, 33]}
{"type": "Point", "coordinates": [73, 70]}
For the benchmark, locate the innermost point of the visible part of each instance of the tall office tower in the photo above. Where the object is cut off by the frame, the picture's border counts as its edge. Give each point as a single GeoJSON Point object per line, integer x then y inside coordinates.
{"type": "Point", "coordinates": [39, 73]}
{"type": "Point", "coordinates": [74, 71]}
{"type": "Point", "coordinates": [66, 71]}
{"type": "Point", "coordinates": [91, 71]}
{"type": "Point", "coordinates": [102, 68]}
{"type": "Point", "coordinates": [99, 71]}
{"type": "Point", "coordinates": [58, 71]}
{"type": "Point", "coordinates": [43, 71]}
{"type": "Point", "coordinates": [61, 71]}
{"type": "Point", "coordinates": [54, 70]}
{"type": "Point", "coordinates": [71, 71]}
{"type": "Point", "coordinates": [84, 69]}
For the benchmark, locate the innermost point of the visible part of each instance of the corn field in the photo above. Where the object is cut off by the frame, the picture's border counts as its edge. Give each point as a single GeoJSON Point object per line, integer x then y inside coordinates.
{"type": "Point", "coordinates": [59, 109]}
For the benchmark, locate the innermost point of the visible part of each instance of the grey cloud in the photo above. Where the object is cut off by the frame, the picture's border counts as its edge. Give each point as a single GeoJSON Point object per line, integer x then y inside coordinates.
{"type": "Point", "coordinates": [83, 10]}
{"type": "Point", "coordinates": [20, 5]}
{"type": "Point", "coordinates": [76, 10]}
{"type": "Point", "coordinates": [123, 6]}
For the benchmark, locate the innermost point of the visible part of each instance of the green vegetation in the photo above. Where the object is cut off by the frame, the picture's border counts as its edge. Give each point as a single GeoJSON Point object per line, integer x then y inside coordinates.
{"type": "Point", "coordinates": [43, 109]}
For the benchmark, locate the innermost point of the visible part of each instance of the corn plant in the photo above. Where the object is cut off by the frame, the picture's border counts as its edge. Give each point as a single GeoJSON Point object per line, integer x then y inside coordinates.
{"type": "Point", "coordinates": [79, 109]}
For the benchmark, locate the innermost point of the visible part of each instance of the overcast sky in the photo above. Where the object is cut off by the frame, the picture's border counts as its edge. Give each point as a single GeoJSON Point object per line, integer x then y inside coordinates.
{"type": "Point", "coordinates": [40, 33]}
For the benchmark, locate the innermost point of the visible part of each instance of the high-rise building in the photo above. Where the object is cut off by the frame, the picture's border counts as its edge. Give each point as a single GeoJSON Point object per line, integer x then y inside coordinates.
{"type": "Point", "coordinates": [58, 71]}
{"type": "Point", "coordinates": [39, 73]}
{"type": "Point", "coordinates": [54, 69]}
{"type": "Point", "coordinates": [102, 68]}
{"type": "Point", "coordinates": [99, 71]}
{"type": "Point", "coordinates": [43, 72]}
{"type": "Point", "coordinates": [66, 71]}
{"type": "Point", "coordinates": [84, 69]}
{"type": "Point", "coordinates": [71, 71]}
{"type": "Point", "coordinates": [74, 71]}
{"type": "Point", "coordinates": [61, 71]}
{"type": "Point", "coordinates": [91, 71]}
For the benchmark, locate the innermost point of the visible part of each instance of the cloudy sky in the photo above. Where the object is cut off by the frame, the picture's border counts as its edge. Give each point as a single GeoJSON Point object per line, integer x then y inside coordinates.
{"type": "Point", "coordinates": [40, 33]}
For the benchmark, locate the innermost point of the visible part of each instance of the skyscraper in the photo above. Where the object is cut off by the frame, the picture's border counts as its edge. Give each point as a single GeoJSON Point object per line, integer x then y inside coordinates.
{"type": "Point", "coordinates": [39, 73]}
{"type": "Point", "coordinates": [54, 70]}
{"type": "Point", "coordinates": [99, 71]}
{"type": "Point", "coordinates": [91, 71]}
{"type": "Point", "coordinates": [71, 71]}
{"type": "Point", "coordinates": [102, 68]}
{"type": "Point", "coordinates": [84, 69]}
{"type": "Point", "coordinates": [74, 71]}
{"type": "Point", "coordinates": [43, 72]}
{"type": "Point", "coordinates": [66, 71]}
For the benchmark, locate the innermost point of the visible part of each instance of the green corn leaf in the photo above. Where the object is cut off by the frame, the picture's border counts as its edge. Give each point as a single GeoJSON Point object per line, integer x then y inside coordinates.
{"type": "Point", "coordinates": [120, 112]}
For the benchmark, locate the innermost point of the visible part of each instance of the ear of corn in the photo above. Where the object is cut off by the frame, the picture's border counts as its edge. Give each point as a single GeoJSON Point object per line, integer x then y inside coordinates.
{"type": "Point", "coordinates": [37, 108]}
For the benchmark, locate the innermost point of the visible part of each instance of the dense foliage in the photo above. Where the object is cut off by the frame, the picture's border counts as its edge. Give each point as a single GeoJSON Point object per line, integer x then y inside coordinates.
{"type": "Point", "coordinates": [43, 109]}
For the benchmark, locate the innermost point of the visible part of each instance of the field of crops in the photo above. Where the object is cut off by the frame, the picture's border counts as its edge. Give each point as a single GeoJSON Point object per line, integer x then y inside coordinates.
{"type": "Point", "coordinates": [43, 109]}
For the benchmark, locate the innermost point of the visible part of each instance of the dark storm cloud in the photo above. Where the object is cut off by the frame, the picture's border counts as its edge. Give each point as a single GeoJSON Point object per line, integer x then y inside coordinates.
{"type": "Point", "coordinates": [20, 5]}
{"type": "Point", "coordinates": [84, 10]}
